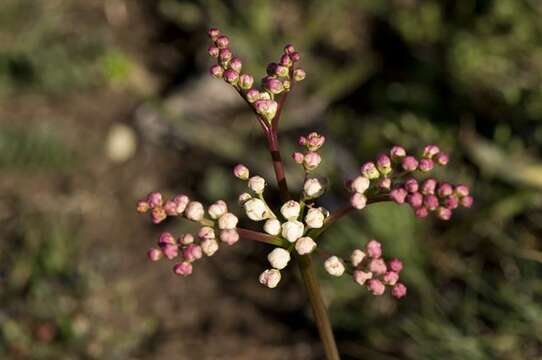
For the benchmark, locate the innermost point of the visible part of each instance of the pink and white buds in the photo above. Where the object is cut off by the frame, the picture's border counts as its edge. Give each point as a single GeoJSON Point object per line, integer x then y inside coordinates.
{"type": "Point", "coordinates": [360, 184]}
{"type": "Point", "coordinates": [169, 250]}
{"type": "Point", "coordinates": [213, 33]}
{"type": "Point", "coordinates": [314, 218]}
{"type": "Point", "coordinates": [411, 185]}
{"type": "Point", "coordinates": [183, 269]}
{"type": "Point", "coordinates": [334, 266]}
{"type": "Point", "coordinates": [228, 221]}
{"type": "Point", "coordinates": [299, 74]}
{"type": "Point", "coordinates": [466, 201]}
{"type": "Point", "coordinates": [266, 108]}
{"type": "Point", "coordinates": [256, 184]}
{"type": "Point", "coordinates": [155, 200]}
{"type": "Point", "coordinates": [270, 278]}
{"type": "Point", "coordinates": [305, 245]}
{"type": "Point", "coordinates": [209, 246]}
{"type": "Point", "coordinates": [397, 152]}
{"type": "Point", "coordinates": [425, 165]}
{"type": "Point", "coordinates": [192, 253]}
{"type": "Point", "coordinates": [430, 150]}
{"type": "Point", "coordinates": [186, 239]}
{"type": "Point", "coordinates": [399, 291]}
{"type": "Point", "coordinates": [274, 86]}
{"type": "Point", "coordinates": [292, 230]}
{"type": "Point", "coordinates": [279, 258]}
{"type": "Point", "coordinates": [358, 201]}
{"type": "Point", "coordinates": [415, 200]}
{"type": "Point", "coordinates": [217, 209]}
{"type": "Point", "coordinates": [244, 197]}
{"type": "Point", "coordinates": [384, 164]}
{"type": "Point", "coordinates": [213, 51]}
{"type": "Point", "coordinates": [373, 249]}
{"type": "Point", "coordinates": [256, 210]}
{"type": "Point", "coordinates": [314, 187]}
{"type": "Point", "coordinates": [181, 201]}
{"type": "Point", "coordinates": [290, 210]}
{"type": "Point", "coordinates": [158, 214]}
{"type": "Point", "coordinates": [231, 76]}
{"type": "Point", "coordinates": [462, 190]}
{"type": "Point", "coordinates": [361, 277]}
{"type": "Point", "coordinates": [142, 206]}
{"type": "Point", "coordinates": [311, 160]}
{"type": "Point", "coordinates": [444, 213]}
{"type": "Point", "coordinates": [370, 171]}
{"type": "Point", "coordinates": [229, 236]}
{"type": "Point", "coordinates": [395, 265]}
{"type": "Point", "coordinates": [206, 232]}
{"type": "Point", "coordinates": [357, 257]}
{"type": "Point", "coordinates": [409, 163]}
{"type": "Point", "coordinates": [272, 227]}
{"type": "Point", "coordinates": [246, 81]}
{"type": "Point", "coordinates": [216, 71]}
{"type": "Point", "coordinates": [253, 95]}
{"type": "Point", "coordinates": [378, 266]}
{"type": "Point", "coordinates": [441, 159]}
{"type": "Point", "coordinates": [398, 195]}
{"type": "Point", "coordinates": [298, 157]}
{"type": "Point", "coordinates": [194, 211]}
{"type": "Point", "coordinates": [236, 64]}
{"type": "Point", "coordinates": [154, 254]}
{"type": "Point", "coordinates": [376, 287]}
{"type": "Point", "coordinates": [222, 41]}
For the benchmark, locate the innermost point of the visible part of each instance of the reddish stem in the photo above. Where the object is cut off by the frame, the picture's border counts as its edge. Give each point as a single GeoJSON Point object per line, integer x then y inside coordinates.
{"type": "Point", "coordinates": [258, 236]}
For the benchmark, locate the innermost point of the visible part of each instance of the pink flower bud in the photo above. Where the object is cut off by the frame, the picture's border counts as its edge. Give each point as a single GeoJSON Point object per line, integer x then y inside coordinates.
{"type": "Point", "coordinates": [305, 245]}
{"type": "Point", "coordinates": [244, 197]}
{"type": "Point", "coordinates": [213, 51]}
{"type": "Point", "coordinates": [295, 56]}
{"type": "Point", "coordinates": [426, 165]}
{"type": "Point", "coordinates": [158, 214]}
{"type": "Point", "coordinates": [228, 221]}
{"type": "Point", "coordinates": [246, 81]}
{"type": "Point", "coordinates": [428, 186]}
{"type": "Point", "coordinates": [384, 184]}
{"type": "Point", "coordinates": [222, 41]}
{"type": "Point", "coordinates": [225, 55]}
{"type": "Point", "coordinates": [185, 239]}
{"type": "Point", "coordinates": [229, 236]}
{"type": "Point", "coordinates": [399, 291]}
{"type": "Point", "coordinates": [377, 266]}
{"type": "Point", "coordinates": [273, 85]}
{"type": "Point", "coordinates": [451, 202]}
{"type": "Point", "coordinates": [270, 278]}
{"type": "Point", "coordinates": [299, 74]}
{"type": "Point", "coordinates": [314, 141]}
{"type": "Point", "coordinates": [397, 152]}
{"type": "Point", "coordinates": [213, 33]}
{"type": "Point", "coordinates": [376, 287]}
{"type": "Point", "coordinates": [216, 71]}
{"type": "Point", "coordinates": [390, 278]}
{"type": "Point", "coordinates": [170, 208]}
{"type": "Point", "coordinates": [411, 185]}
{"type": "Point", "coordinates": [358, 201]}
{"type": "Point", "coordinates": [183, 269]}
{"type": "Point", "coordinates": [154, 254]}
{"type": "Point", "coordinates": [166, 238]}
{"type": "Point", "coordinates": [421, 212]}
{"type": "Point", "coordinates": [302, 141]}
{"type": "Point", "coordinates": [361, 277]}
{"type": "Point", "coordinates": [217, 209]}
{"type": "Point", "coordinates": [209, 247]}
{"type": "Point", "coordinates": [206, 232]}
{"type": "Point", "coordinates": [374, 249]}
{"type": "Point", "coordinates": [370, 171]}
{"type": "Point", "coordinates": [395, 265]}
{"type": "Point", "coordinates": [194, 211]}
{"type": "Point", "coordinates": [181, 201]}
{"type": "Point", "coordinates": [442, 158]}
{"type": "Point", "coordinates": [415, 200]}
{"type": "Point", "coordinates": [357, 257]}
{"type": "Point", "coordinates": [445, 190]}
{"type": "Point", "coordinates": [142, 206]}
{"type": "Point", "coordinates": [298, 157]}
{"type": "Point", "coordinates": [236, 64]}
{"type": "Point", "coordinates": [466, 201]}
{"type": "Point", "coordinates": [430, 150]}
{"type": "Point", "coordinates": [430, 202]}
{"type": "Point", "coordinates": [192, 253]}
{"type": "Point", "coordinates": [288, 49]}
{"type": "Point", "coordinates": [285, 60]}
{"type": "Point", "coordinates": [253, 95]}
{"type": "Point", "coordinates": [334, 266]}
{"type": "Point", "coordinates": [311, 160]}
{"type": "Point", "coordinates": [241, 172]}
{"type": "Point", "coordinates": [281, 71]}
{"type": "Point", "coordinates": [384, 164]}
{"type": "Point", "coordinates": [231, 76]}
{"type": "Point", "coordinates": [462, 190]}
{"type": "Point", "coordinates": [398, 195]}
{"type": "Point", "coordinates": [266, 108]}
{"type": "Point", "coordinates": [409, 163]}
{"type": "Point", "coordinates": [170, 251]}
{"type": "Point", "coordinates": [444, 213]}
{"type": "Point", "coordinates": [154, 199]}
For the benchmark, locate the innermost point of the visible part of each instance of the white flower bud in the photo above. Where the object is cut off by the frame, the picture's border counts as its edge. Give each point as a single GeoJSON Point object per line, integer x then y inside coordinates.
{"type": "Point", "coordinates": [270, 278]}
{"type": "Point", "coordinates": [357, 257]}
{"type": "Point", "coordinates": [314, 187]}
{"type": "Point", "coordinates": [272, 227]}
{"type": "Point", "coordinates": [314, 218]}
{"type": "Point", "coordinates": [209, 246]}
{"type": "Point", "coordinates": [227, 221]}
{"type": "Point", "coordinates": [290, 210]}
{"type": "Point", "coordinates": [217, 209]}
{"type": "Point", "coordinates": [206, 232]}
{"type": "Point", "coordinates": [360, 184]}
{"type": "Point", "coordinates": [256, 184]}
{"type": "Point", "coordinates": [292, 230]}
{"type": "Point", "coordinates": [244, 197]}
{"type": "Point", "coordinates": [194, 211]}
{"type": "Point", "coordinates": [279, 258]}
{"type": "Point", "coordinates": [334, 266]}
{"type": "Point", "coordinates": [305, 245]}
{"type": "Point", "coordinates": [256, 210]}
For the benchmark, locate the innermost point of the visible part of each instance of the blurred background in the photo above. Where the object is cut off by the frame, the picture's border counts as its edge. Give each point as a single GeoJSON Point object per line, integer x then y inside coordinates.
{"type": "Point", "coordinates": [102, 101]}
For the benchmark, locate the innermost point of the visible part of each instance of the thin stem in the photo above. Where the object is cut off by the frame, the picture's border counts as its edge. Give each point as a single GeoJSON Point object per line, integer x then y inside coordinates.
{"type": "Point", "coordinates": [278, 166]}
{"type": "Point", "coordinates": [258, 236]}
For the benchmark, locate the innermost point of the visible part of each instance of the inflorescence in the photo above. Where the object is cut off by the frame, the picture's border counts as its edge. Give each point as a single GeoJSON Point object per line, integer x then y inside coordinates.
{"type": "Point", "coordinates": [297, 225]}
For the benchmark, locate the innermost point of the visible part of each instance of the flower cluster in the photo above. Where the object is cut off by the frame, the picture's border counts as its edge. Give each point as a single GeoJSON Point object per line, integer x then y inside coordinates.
{"type": "Point", "coordinates": [311, 158]}
{"type": "Point", "coordinates": [220, 221]}
{"type": "Point", "coordinates": [278, 80]}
